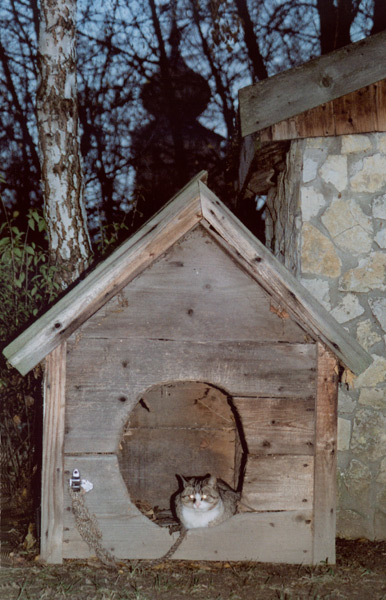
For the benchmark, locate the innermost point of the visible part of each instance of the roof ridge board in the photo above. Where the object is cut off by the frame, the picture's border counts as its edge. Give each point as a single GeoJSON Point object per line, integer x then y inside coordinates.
{"type": "Point", "coordinates": [87, 296]}
{"type": "Point", "coordinates": [312, 83]}
{"type": "Point", "coordinates": [276, 280]}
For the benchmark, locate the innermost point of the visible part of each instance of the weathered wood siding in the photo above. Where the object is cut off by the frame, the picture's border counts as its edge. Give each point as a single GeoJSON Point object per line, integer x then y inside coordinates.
{"type": "Point", "coordinates": [193, 316]}
{"type": "Point", "coordinates": [362, 111]}
{"type": "Point", "coordinates": [127, 533]}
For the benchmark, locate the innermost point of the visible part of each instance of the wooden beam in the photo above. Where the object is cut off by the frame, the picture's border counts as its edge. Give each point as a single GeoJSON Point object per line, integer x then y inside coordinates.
{"type": "Point", "coordinates": [318, 81]}
{"type": "Point", "coordinates": [52, 467]}
{"type": "Point", "coordinates": [325, 458]}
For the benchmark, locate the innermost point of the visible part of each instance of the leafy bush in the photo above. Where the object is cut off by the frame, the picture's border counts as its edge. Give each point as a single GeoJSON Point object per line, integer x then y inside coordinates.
{"type": "Point", "coordinates": [27, 284]}
{"type": "Point", "coordinates": [26, 275]}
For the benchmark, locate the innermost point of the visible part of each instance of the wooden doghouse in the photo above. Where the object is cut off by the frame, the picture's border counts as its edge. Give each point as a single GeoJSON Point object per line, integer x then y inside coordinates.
{"type": "Point", "coordinates": [189, 350]}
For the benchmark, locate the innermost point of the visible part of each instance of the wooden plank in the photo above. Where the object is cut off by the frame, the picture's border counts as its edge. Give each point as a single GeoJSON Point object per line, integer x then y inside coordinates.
{"type": "Point", "coordinates": [106, 379]}
{"type": "Point", "coordinates": [52, 467]}
{"type": "Point", "coordinates": [278, 483]}
{"type": "Point", "coordinates": [125, 530]}
{"type": "Point", "coordinates": [278, 425]}
{"type": "Point", "coordinates": [64, 317]}
{"type": "Point", "coordinates": [318, 81]}
{"type": "Point", "coordinates": [178, 297]}
{"type": "Point", "coordinates": [381, 105]}
{"type": "Point", "coordinates": [259, 262]}
{"type": "Point", "coordinates": [352, 113]}
{"type": "Point", "coordinates": [325, 457]}
{"type": "Point", "coordinates": [356, 112]}
{"type": "Point", "coordinates": [264, 537]}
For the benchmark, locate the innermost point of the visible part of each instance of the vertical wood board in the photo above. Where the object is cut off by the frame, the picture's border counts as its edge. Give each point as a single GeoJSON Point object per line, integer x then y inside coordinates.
{"type": "Point", "coordinates": [325, 457]}
{"type": "Point", "coordinates": [52, 467]}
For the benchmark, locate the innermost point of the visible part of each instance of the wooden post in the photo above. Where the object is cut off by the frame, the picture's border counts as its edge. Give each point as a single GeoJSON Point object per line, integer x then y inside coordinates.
{"type": "Point", "coordinates": [52, 467]}
{"type": "Point", "coordinates": [325, 457]}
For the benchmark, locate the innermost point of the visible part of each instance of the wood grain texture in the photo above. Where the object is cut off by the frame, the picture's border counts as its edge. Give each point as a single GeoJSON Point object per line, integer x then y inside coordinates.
{"type": "Point", "coordinates": [318, 81]}
{"type": "Point", "coordinates": [278, 483]}
{"type": "Point", "coordinates": [52, 466]}
{"type": "Point", "coordinates": [107, 278]}
{"type": "Point", "coordinates": [278, 425]}
{"type": "Point", "coordinates": [128, 534]}
{"type": "Point", "coordinates": [362, 111]}
{"type": "Point", "coordinates": [280, 284]}
{"type": "Point", "coordinates": [325, 458]}
{"type": "Point", "coordinates": [197, 292]}
{"type": "Point", "coordinates": [106, 379]}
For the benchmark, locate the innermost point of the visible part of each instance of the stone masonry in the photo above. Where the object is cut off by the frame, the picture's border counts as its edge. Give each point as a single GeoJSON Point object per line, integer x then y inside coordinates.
{"type": "Point", "coordinates": [327, 223]}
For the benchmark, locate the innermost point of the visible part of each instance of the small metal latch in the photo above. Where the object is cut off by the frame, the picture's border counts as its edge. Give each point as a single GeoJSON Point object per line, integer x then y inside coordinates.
{"type": "Point", "coordinates": [75, 481]}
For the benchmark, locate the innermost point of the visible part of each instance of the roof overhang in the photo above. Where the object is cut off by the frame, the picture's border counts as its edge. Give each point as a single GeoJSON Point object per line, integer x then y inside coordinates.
{"type": "Point", "coordinates": [194, 204]}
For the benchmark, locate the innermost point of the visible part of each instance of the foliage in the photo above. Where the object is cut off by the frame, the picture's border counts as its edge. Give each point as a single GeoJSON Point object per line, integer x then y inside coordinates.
{"type": "Point", "coordinates": [26, 275]}
{"type": "Point", "coordinates": [26, 286]}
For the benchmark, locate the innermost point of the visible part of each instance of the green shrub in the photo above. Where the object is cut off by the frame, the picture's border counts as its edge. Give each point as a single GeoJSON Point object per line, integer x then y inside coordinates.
{"type": "Point", "coordinates": [27, 278]}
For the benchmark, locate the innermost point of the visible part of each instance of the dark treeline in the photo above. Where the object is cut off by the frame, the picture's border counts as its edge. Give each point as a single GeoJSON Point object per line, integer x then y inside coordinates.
{"type": "Point", "coordinates": [158, 86]}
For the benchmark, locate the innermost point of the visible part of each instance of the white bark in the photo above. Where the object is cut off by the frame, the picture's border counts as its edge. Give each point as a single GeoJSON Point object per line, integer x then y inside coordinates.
{"type": "Point", "coordinates": [59, 145]}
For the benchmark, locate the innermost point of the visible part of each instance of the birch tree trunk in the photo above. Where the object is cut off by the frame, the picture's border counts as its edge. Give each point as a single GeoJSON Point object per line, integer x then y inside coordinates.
{"type": "Point", "coordinates": [59, 143]}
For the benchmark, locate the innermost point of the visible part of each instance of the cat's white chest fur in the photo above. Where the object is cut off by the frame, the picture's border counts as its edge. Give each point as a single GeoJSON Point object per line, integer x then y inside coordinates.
{"type": "Point", "coordinates": [193, 517]}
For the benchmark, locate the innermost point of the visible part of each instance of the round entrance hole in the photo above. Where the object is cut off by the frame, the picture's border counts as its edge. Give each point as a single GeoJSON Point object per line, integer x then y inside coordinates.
{"type": "Point", "coordinates": [186, 428]}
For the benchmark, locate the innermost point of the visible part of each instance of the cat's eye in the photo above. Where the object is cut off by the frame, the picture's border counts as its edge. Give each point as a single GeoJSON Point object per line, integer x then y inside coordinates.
{"type": "Point", "coordinates": [191, 496]}
{"type": "Point", "coordinates": [204, 496]}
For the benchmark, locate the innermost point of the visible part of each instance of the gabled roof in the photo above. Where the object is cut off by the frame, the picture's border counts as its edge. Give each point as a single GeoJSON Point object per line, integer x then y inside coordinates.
{"type": "Point", "coordinates": [192, 205]}
{"type": "Point", "coordinates": [314, 83]}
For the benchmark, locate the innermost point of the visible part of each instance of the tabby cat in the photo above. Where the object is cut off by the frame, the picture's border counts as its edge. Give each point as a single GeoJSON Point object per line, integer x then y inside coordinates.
{"type": "Point", "coordinates": [202, 502]}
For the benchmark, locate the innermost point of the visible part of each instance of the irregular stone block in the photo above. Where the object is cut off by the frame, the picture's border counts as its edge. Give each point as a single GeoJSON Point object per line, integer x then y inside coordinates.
{"type": "Point", "coordinates": [349, 227]}
{"type": "Point", "coordinates": [378, 307]}
{"type": "Point", "coordinates": [369, 275]}
{"type": "Point", "coordinates": [372, 176]}
{"type": "Point", "coordinates": [379, 207]}
{"type": "Point", "coordinates": [334, 171]}
{"type": "Point", "coordinates": [368, 440]}
{"type": "Point", "coordinates": [355, 143]}
{"type": "Point", "coordinates": [318, 254]}
{"type": "Point", "coordinates": [367, 336]}
{"type": "Point", "coordinates": [374, 374]}
{"type": "Point", "coordinates": [349, 308]}
{"type": "Point", "coordinates": [311, 202]}
{"type": "Point", "coordinates": [320, 290]}
{"type": "Point", "coordinates": [376, 398]}
{"type": "Point", "coordinates": [344, 434]}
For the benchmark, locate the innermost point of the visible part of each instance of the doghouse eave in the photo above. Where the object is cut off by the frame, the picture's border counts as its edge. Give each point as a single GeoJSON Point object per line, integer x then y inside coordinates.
{"type": "Point", "coordinates": [193, 205]}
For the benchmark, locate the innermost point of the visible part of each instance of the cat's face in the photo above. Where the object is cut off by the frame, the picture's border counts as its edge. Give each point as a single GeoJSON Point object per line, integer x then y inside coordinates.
{"type": "Point", "coordinates": [200, 495]}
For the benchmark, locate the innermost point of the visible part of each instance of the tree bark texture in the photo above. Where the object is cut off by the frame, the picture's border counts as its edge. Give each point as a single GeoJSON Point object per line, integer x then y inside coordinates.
{"type": "Point", "coordinates": [59, 144]}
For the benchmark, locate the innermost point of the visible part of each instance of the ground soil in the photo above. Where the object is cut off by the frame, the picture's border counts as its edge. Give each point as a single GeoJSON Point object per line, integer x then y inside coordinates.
{"type": "Point", "coordinates": [360, 573]}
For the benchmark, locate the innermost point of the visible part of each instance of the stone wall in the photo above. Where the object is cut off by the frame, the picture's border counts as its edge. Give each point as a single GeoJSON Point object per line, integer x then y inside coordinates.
{"type": "Point", "coordinates": [327, 223]}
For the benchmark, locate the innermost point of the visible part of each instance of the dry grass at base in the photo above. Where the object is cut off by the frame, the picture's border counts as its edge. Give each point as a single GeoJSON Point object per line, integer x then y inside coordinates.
{"type": "Point", "coordinates": [360, 573]}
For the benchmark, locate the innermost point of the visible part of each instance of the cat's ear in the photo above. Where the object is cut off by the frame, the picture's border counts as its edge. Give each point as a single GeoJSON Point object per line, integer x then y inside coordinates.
{"type": "Point", "coordinates": [212, 480]}
{"type": "Point", "coordinates": [181, 480]}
